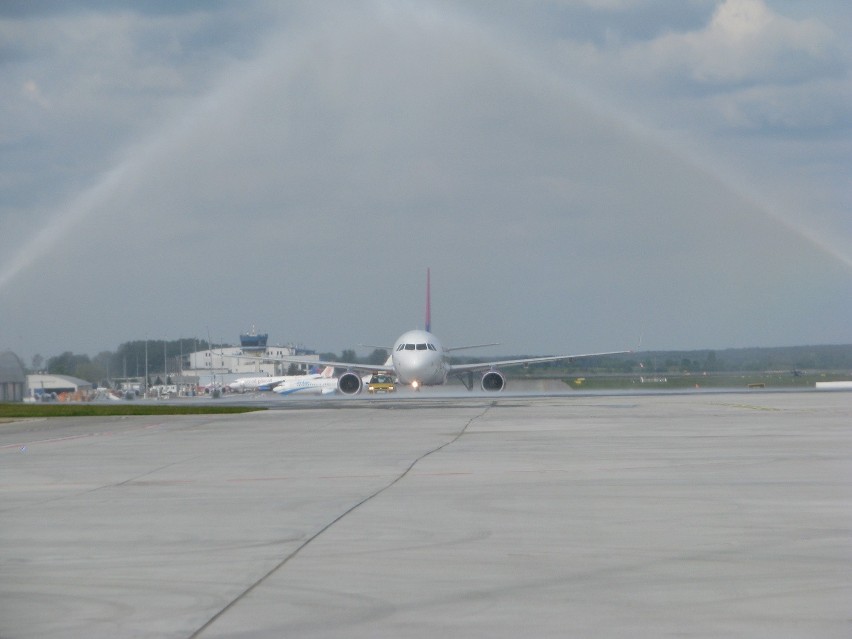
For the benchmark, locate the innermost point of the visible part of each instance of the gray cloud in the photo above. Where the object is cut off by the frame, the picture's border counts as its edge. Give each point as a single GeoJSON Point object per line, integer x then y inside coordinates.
{"type": "Point", "coordinates": [304, 179]}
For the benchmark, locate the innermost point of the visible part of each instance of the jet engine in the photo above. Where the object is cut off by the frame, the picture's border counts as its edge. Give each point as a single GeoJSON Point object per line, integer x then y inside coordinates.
{"type": "Point", "coordinates": [349, 383]}
{"type": "Point", "coordinates": [493, 381]}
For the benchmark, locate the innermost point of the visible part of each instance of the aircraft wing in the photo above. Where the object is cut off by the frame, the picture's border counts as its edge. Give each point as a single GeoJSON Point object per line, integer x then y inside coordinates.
{"type": "Point", "coordinates": [484, 366]}
{"type": "Point", "coordinates": [370, 368]}
{"type": "Point", "coordinates": [462, 348]}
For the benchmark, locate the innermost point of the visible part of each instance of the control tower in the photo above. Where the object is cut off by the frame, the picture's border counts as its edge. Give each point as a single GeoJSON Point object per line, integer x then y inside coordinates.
{"type": "Point", "coordinates": [253, 341]}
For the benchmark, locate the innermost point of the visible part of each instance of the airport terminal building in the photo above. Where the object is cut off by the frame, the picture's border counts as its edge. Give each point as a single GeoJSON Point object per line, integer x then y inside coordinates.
{"type": "Point", "coordinates": [253, 357]}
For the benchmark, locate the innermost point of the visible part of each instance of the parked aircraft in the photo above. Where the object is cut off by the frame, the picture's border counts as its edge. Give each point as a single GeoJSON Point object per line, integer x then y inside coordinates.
{"type": "Point", "coordinates": [304, 385]}
{"type": "Point", "coordinates": [244, 384]}
{"type": "Point", "coordinates": [418, 358]}
{"type": "Point", "coordinates": [269, 383]}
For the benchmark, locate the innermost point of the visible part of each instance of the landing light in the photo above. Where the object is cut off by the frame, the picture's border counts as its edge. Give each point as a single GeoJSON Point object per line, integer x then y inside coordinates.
{"type": "Point", "coordinates": [415, 385]}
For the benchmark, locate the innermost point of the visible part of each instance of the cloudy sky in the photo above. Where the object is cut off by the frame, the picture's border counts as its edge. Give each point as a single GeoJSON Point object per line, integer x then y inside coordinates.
{"type": "Point", "coordinates": [576, 173]}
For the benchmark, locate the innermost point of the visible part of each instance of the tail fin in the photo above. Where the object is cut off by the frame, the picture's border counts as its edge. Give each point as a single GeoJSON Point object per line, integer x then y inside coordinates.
{"type": "Point", "coordinates": [428, 301]}
{"type": "Point", "coordinates": [328, 371]}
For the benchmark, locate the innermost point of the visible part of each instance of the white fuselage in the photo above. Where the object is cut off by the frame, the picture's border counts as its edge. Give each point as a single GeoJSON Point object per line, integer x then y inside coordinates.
{"type": "Point", "coordinates": [419, 358]}
{"type": "Point", "coordinates": [255, 383]}
{"type": "Point", "coordinates": [269, 383]}
{"type": "Point", "coordinates": [304, 384]}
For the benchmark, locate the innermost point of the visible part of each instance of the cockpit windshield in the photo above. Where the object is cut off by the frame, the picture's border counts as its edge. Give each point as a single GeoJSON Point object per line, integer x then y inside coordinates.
{"type": "Point", "coordinates": [417, 347]}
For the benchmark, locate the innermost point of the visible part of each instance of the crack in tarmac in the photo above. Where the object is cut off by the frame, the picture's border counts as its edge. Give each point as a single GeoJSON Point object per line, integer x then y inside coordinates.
{"type": "Point", "coordinates": [334, 521]}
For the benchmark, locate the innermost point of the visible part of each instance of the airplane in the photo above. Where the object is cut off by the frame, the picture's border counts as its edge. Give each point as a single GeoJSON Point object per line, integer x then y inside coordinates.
{"type": "Point", "coordinates": [244, 384]}
{"type": "Point", "coordinates": [418, 358]}
{"type": "Point", "coordinates": [305, 384]}
{"type": "Point", "coordinates": [269, 383]}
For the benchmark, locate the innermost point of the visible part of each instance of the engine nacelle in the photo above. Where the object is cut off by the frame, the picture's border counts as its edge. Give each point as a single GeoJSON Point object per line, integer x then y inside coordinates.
{"type": "Point", "coordinates": [349, 383]}
{"type": "Point", "coordinates": [493, 381]}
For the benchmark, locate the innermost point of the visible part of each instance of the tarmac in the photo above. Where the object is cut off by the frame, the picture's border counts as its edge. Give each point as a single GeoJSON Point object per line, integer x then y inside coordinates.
{"type": "Point", "coordinates": [693, 515]}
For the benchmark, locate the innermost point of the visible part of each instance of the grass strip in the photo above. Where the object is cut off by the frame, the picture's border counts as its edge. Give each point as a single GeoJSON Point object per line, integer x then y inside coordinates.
{"type": "Point", "coordinates": [106, 410]}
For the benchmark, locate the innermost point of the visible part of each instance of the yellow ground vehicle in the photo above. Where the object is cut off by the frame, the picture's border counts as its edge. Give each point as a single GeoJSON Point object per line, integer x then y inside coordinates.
{"type": "Point", "coordinates": [380, 383]}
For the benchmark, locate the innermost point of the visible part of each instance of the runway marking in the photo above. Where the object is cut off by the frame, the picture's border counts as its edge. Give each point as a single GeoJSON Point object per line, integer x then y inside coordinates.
{"type": "Point", "coordinates": [340, 517]}
{"type": "Point", "coordinates": [745, 406]}
{"type": "Point", "coordinates": [238, 480]}
{"type": "Point", "coordinates": [103, 433]}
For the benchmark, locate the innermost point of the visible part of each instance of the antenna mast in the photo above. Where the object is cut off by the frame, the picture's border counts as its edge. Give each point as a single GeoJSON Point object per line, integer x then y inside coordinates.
{"type": "Point", "coordinates": [428, 301]}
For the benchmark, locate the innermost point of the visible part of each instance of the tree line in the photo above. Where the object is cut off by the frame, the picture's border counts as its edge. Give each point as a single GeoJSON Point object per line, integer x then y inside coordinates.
{"type": "Point", "coordinates": [784, 358]}
{"type": "Point", "coordinates": [163, 357]}
{"type": "Point", "coordinates": [129, 360]}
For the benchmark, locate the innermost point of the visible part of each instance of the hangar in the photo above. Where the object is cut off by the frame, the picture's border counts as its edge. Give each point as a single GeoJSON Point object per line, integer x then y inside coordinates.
{"type": "Point", "coordinates": [13, 378]}
{"type": "Point", "coordinates": [46, 384]}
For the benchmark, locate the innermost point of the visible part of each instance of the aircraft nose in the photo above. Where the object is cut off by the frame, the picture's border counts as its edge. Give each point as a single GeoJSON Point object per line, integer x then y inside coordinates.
{"type": "Point", "coordinates": [418, 368]}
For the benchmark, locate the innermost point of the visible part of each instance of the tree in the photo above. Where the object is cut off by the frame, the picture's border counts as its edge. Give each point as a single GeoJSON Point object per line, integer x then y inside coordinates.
{"type": "Point", "coordinates": [38, 362]}
{"type": "Point", "coordinates": [89, 371]}
{"type": "Point", "coordinates": [349, 356]}
{"type": "Point", "coordinates": [379, 356]}
{"type": "Point", "coordinates": [77, 366]}
{"type": "Point", "coordinates": [67, 364]}
{"type": "Point", "coordinates": [103, 363]}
